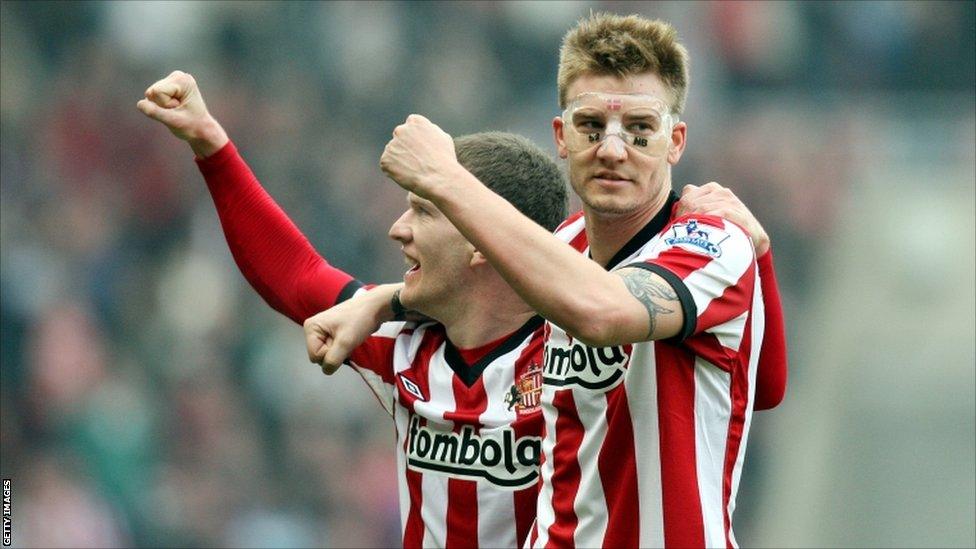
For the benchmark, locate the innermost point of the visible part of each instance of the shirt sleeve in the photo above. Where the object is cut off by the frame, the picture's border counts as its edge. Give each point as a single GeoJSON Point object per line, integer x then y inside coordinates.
{"type": "Point", "coordinates": [773, 363]}
{"type": "Point", "coordinates": [271, 252]}
{"type": "Point", "coordinates": [711, 265]}
{"type": "Point", "coordinates": [373, 360]}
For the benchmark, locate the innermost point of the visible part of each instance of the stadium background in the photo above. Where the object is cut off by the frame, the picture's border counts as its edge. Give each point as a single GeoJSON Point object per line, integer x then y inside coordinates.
{"type": "Point", "coordinates": [150, 398]}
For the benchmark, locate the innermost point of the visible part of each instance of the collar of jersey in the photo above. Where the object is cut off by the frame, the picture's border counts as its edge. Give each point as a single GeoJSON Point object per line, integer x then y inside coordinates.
{"type": "Point", "coordinates": [470, 374]}
{"type": "Point", "coordinates": [654, 226]}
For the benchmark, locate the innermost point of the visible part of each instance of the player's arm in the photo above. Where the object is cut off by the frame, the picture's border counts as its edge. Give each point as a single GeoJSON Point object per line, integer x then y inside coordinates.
{"type": "Point", "coordinates": [591, 304]}
{"type": "Point", "coordinates": [271, 252]}
{"type": "Point", "coordinates": [773, 362]}
{"type": "Point", "coordinates": [333, 335]}
{"type": "Point", "coordinates": [713, 199]}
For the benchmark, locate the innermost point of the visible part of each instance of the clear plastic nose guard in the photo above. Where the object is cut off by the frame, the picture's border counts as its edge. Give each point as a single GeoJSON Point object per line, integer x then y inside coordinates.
{"type": "Point", "coordinates": [638, 121]}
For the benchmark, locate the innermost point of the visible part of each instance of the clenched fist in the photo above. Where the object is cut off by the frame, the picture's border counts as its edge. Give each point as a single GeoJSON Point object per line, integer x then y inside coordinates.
{"type": "Point", "coordinates": [420, 156]}
{"type": "Point", "coordinates": [176, 102]}
{"type": "Point", "coordinates": [332, 335]}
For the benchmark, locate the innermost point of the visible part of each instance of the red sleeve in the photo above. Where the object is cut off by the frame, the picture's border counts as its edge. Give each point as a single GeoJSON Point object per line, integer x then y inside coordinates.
{"type": "Point", "coordinates": [274, 256]}
{"type": "Point", "coordinates": [772, 373]}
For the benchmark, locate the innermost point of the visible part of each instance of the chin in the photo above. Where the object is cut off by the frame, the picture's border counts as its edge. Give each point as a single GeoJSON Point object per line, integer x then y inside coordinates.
{"type": "Point", "coordinates": [609, 206]}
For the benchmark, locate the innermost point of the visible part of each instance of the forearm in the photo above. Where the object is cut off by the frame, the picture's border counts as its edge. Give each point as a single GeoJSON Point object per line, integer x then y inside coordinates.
{"type": "Point", "coordinates": [271, 252]}
{"type": "Point", "coordinates": [773, 362]}
{"type": "Point", "coordinates": [558, 282]}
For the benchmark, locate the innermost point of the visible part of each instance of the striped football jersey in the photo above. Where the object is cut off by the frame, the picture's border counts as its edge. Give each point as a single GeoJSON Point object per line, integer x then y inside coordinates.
{"type": "Point", "coordinates": [644, 443]}
{"type": "Point", "coordinates": [468, 436]}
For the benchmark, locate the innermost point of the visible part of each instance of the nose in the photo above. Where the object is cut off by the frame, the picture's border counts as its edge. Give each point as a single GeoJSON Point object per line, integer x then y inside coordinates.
{"type": "Point", "coordinates": [612, 149]}
{"type": "Point", "coordinates": [400, 230]}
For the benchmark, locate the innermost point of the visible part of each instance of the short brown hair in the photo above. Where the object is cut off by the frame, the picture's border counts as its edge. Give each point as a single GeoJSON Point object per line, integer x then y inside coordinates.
{"type": "Point", "coordinates": [609, 44]}
{"type": "Point", "coordinates": [517, 170]}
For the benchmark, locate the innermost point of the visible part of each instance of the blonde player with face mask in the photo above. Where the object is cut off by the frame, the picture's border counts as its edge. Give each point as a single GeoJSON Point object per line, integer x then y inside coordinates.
{"type": "Point", "coordinates": [655, 316]}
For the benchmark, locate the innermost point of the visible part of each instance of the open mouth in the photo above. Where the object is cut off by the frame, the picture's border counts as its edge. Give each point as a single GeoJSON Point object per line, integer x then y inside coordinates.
{"type": "Point", "coordinates": [412, 264]}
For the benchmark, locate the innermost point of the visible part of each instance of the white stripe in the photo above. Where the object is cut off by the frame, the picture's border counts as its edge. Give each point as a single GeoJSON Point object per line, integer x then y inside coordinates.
{"type": "Point", "coordinates": [440, 393]}
{"type": "Point", "coordinates": [571, 231]}
{"type": "Point", "coordinates": [590, 504]}
{"type": "Point", "coordinates": [545, 515]}
{"type": "Point", "coordinates": [758, 332]}
{"type": "Point", "coordinates": [496, 507]}
{"type": "Point", "coordinates": [497, 382]}
{"type": "Point", "coordinates": [730, 333]}
{"type": "Point", "coordinates": [496, 516]}
{"type": "Point", "coordinates": [713, 409]}
{"type": "Point", "coordinates": [641, 384]}
{"type": "Point", "coordinates": [401, 420]}
{"type": "Point", "coordinates": [434, 509]}
{"type": "Point", "coordinates": [709, 282]}
{"type": "Point", "coordinates": [407, 346]}
{"type": "Point", "coordinates": [390, 329]}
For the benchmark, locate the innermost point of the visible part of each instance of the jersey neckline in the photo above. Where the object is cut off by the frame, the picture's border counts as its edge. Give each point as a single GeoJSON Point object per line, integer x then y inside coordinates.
{"type": "Point", "coordinates": [647, 232]}
{"type": "Point", "coordinates": [469, 374]}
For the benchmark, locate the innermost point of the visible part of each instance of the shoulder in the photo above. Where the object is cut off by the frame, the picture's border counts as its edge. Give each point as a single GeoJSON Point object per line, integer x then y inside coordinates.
{"type": "Point", "coordinates": [572, 225]}
{"type": "Point", "coordinates": [707, 235]}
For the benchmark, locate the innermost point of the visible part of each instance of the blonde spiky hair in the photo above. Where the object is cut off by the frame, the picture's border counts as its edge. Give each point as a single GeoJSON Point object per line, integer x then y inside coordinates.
{"type": "Point", "coordinates": [619, 45]}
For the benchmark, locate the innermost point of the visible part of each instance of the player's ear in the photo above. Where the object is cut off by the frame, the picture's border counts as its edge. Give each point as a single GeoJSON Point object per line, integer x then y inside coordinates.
{"type": "Point", "coordinates": [557, 133]}
{"type": "Point", "coordinates": [679, 136]}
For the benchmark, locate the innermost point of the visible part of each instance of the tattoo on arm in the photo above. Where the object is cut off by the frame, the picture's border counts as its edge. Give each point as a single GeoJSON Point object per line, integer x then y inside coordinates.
{"type": "Point", "coordinates": [646, 287]}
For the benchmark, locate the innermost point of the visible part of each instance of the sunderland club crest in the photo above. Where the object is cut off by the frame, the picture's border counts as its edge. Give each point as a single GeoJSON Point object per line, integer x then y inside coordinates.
{"type": "Point", "coordinates": [523, 396]}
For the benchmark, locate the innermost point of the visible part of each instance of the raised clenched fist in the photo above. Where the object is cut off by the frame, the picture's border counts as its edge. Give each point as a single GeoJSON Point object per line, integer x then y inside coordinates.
{"type": "Point", "coordinates": [176, 102]}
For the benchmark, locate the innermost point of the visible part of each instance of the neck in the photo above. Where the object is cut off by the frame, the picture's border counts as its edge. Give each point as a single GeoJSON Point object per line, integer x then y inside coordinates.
{"type": "Point", "coordinates": [489, 312]}
{"type": "Point", "coordinates": [607, 233]}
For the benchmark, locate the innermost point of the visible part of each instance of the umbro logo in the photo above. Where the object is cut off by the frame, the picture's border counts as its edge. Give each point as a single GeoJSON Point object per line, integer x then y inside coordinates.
{"type": "Point", "coordinates": [411, 387]}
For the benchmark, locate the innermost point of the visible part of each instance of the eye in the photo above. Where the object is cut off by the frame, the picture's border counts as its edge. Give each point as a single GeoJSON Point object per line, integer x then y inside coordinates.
{"type": "Point", "coordinates": [643, 126]}
{"type": "Point", "coordinates": [589, 125]}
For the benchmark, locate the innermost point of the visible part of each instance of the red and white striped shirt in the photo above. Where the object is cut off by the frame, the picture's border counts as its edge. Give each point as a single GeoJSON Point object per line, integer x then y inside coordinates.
{"type": "Point", "coordinates": [644, 443]}
{"type": "Point", "coordinates": [468, 437]}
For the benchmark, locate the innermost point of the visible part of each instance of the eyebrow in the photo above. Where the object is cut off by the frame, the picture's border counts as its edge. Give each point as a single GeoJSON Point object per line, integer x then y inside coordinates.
{"type": "Point", "coordinates": [416, 201]}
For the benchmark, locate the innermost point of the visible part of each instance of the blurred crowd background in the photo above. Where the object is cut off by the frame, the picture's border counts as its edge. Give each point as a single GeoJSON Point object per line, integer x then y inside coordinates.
{"type": "Point", "coordinates": [150, 398]}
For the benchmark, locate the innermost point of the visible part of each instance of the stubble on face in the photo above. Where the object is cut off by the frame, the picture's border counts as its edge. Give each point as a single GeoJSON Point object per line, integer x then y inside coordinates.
{"type": "Point", "coordinates": [628, 200]}
{"type": "Point", "coordinates": [648, 174]}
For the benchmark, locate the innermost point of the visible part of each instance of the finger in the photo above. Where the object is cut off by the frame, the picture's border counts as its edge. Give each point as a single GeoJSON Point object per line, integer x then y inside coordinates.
{"type": "Point", "coordinates": [315, 340]}
{"type": "Point", "coordinates": [712, 186]}
{"type": "Point", "coordinates": [690, 195]}
{"type": "Point", "coordinates": [316, 355]}
{"type": "Point", "coordinates": [336, 355]}
{"type": "Point", "coordinates": [165, 92]}
{"type": "Point", "coordinates": [682, 208]}
{"type": "Point", "coordinates": [713, 207]}
{"type": "Point", "coordinates": [417, 119]}
{"type": "Point", "coordinates": [154, 111]}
